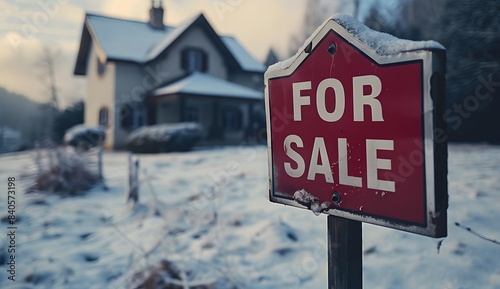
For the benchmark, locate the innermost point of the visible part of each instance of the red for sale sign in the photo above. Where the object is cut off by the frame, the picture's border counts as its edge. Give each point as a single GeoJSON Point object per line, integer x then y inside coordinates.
{"type": "Point", "coordinates": [355, 129]}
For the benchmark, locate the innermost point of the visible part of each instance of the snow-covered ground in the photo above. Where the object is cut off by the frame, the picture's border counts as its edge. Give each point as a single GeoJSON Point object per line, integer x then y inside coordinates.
{"type": "Point", "coordinates": [206, 212]}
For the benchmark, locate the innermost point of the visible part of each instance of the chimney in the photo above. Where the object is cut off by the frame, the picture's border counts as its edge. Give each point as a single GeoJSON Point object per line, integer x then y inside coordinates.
{"type": "Point", "coordinates": [156, 15]}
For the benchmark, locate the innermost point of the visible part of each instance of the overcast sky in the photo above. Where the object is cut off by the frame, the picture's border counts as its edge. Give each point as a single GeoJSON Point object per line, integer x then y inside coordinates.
{"type": "Point", "coordinates": [27, 25]}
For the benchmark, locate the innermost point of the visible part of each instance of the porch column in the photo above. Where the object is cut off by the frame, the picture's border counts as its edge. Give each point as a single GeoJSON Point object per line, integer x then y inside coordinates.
{"type": "Point", "coordinates": [216, 129]}
{"type": "Point", "coordinates": [152, 111]}
{"type": "Point", "coordinates": [182, 109]}
{"type": "Point", "coordinates": [250, 114]}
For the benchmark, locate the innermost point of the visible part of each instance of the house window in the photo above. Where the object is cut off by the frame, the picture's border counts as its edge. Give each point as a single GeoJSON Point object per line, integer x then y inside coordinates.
{"type": "Point", "coordinates": [192, 114]}
{"type": "Point", "coordinates": [232, 119]}
{"type": "Point", "coordinates": [101, 67]}
{"type": "Point", "coordinates": [104, 117]}
{"type": "Point", "coordinates": [194, 59]}
{"type": "Point", "coordinates": [132, 117]}
{"type": "Point", "coordinates": [138, 117]}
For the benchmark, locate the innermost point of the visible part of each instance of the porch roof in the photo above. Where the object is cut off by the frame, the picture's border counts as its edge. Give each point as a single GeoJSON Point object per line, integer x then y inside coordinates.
{"type": "Point", "coordinates": [208, 85]}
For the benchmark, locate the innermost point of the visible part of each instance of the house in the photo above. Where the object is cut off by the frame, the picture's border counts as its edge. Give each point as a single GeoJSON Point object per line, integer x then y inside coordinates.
{"type": "Point", "coordinates": [145, 73]}
{"type": "Point", "coordinates": [271, 58]}
{"type": "Point", "coordinates": [10, 140]}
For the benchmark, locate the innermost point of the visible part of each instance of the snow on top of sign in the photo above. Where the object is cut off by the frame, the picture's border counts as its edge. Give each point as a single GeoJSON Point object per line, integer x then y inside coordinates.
{"type": "Point", "coordinates": [382, 43]}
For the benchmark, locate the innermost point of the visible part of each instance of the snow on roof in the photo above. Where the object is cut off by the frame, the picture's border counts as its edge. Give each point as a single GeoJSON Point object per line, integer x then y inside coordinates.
{"type": "Point", "coordinates": [246, 61]}
{"type": "Point", "coordinates": [169, 38]}
{"type": "Point", "coordinates": [204, 84]}
{"type": "Point", "coordinates": [124, 39]}
{"type": "Point", "coordinates": [138, 42]}
{"type": "Point", "coordinates": [382, 43]}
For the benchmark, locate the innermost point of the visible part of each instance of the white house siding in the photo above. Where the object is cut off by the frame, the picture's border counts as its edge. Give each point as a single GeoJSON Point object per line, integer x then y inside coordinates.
{"type": "Point", "coordinates": [194, 38]}
{"type": "Point", "coordinates": [100, 92]}
{"type": "Point", "coordinates": [132, 80]}
{"type": "Point", "coordinates": [132, 84]}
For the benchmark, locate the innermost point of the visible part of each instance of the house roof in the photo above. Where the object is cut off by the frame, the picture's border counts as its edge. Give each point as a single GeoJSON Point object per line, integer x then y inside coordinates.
{"type": "Point", "coordinates": [126, 40]}
{"type": "Point", "coordinates": [246, 61]}
{"type": "Point", "coordinates": [208, 85]}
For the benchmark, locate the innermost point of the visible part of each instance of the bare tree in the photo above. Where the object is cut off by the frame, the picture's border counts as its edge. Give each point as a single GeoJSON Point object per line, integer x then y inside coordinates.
{"type": "Point", "coordinates": [47, 68]}
{"type": "Point", "coordinates": [420, 18]}
{"type": "Point", "coordinates": [350, 7]}
{"type": "Point", "coordinates": [47, 64]}
{"type": "Point", "coordinates": [316, 12]}
{"type": "Point", "coordinates": [469, 32]}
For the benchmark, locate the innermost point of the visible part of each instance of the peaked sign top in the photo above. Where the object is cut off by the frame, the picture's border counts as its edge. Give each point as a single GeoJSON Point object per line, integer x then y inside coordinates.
{"type": "Point", "coordinates": [356, 130]}
{"type": "Point", "coordinates": [379, 43]}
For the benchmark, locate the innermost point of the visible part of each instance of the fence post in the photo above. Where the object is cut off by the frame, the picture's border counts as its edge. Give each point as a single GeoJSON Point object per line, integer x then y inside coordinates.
{"type": "Point", "coordinates": [1, 138]}
{"type": "Point", "coordinates": [99, 163]}
{"type": "Point", "coordinates": [38, 158]}
{"type": "Point", "coordinates": [133, 179]}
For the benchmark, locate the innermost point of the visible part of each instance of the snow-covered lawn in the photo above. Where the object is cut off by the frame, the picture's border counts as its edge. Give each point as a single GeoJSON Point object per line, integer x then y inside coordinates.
{"type": "Point", "coordinates": [206, 212]}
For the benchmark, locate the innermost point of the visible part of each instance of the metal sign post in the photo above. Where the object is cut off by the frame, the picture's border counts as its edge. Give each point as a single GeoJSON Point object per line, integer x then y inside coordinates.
{"type": "Point", "coordinates": [356, 131]}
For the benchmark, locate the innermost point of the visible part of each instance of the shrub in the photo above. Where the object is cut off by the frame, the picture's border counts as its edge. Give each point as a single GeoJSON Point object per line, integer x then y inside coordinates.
{"type": "Point", "coordinates": [164, 138]}
{"type": "Point", "coordinates": [84, 137]}
{"type": "Point", "coordinates": [63, 172]}
{"type": "Point", "coordinates": [167, 276]}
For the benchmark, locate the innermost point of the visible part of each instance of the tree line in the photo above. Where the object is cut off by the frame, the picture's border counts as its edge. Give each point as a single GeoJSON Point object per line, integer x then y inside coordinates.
{"type": "Point", "coordinates": [469, 30]}
{"type": "Point", "coordinates": [37, 121]}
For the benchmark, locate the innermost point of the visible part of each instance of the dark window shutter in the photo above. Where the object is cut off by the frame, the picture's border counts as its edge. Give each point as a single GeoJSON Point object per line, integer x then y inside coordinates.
{"type": "Point", "coordinates": [184, 59]}
{"type": "Point", "coordinates": [126, 116]}
{"type": "Point", "coordinates": [204, 62]}
{"type": "Point", "coordinates": [123, 116]}
{"type": "Point", "coordinates": [151, 113]}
